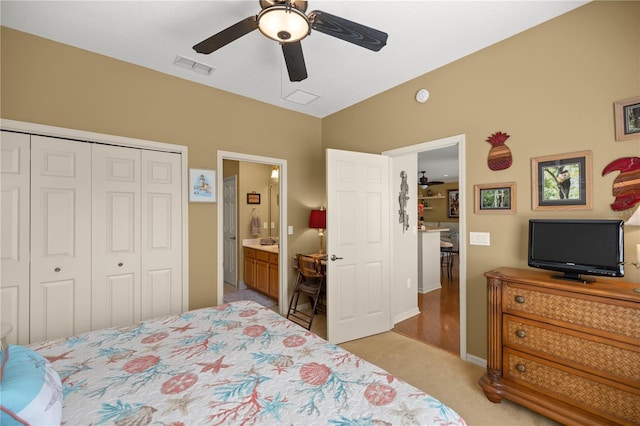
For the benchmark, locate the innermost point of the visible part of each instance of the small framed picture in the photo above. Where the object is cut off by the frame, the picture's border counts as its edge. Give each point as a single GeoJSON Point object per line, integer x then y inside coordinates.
{"type": "Point", "coordinates": [253, 198]}
{"type": "Point", "coordinates": [627, 118]}
{"type": "Point", "coordinates": [561, 181]}
{"type": "Point", "coordinates": [453, 206]}
{"type": "Point", "coordinates": [495, 198]}
{"type": "Point", "coordinates": [202, 186]}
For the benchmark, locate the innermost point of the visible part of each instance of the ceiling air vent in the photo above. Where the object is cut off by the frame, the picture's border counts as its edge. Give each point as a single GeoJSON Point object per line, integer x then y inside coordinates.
{"type": "Point", "coordinates": [192, 65]}
{"type": "Point", "coordinates": [301, 97]}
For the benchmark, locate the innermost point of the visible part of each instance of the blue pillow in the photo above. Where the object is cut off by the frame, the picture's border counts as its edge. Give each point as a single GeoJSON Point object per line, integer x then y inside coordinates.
{"type": "Point", "coordinates": [30, 389]}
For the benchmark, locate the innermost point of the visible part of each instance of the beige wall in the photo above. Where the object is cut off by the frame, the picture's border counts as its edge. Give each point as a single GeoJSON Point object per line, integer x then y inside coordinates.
{"type": "Point", "coordinates": [49, 83]}
{"type": "Point", "coordinates": [551, 88]}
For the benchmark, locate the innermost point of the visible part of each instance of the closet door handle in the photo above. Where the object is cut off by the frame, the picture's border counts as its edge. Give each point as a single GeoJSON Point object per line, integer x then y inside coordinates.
{"type": "Point", "coordinates": [57, 269]}
{"type": "Point", "coordinates": [120, 264]}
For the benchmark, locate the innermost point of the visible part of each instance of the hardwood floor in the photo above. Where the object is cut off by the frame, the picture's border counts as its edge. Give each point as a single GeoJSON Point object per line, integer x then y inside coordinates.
{"type": "Point", "coordinates": [438, 323]}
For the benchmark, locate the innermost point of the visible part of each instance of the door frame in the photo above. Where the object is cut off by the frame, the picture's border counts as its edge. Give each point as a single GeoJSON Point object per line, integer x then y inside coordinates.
{"type": "Point", "coordinates": [462, 255]}
{"type": "Point", "coordinates": [283, 254]}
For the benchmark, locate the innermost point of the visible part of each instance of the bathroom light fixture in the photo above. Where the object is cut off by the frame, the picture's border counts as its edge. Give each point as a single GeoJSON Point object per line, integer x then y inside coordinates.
{"type": "Point", "coordinates": [283, 23]}
{"type": "Point", "coordinates": [275, 173]}
{"type": "Point", "coordinates": [318, 220]}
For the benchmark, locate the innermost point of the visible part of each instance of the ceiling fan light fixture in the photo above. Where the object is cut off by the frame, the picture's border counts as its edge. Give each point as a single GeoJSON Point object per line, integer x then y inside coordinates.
{"type": "Point", "coordinates": [283, 24]}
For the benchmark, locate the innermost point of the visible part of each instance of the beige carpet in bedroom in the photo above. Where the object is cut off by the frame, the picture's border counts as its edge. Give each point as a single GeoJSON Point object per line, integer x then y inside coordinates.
{"type": "Point", "coordinates": [443, 376]}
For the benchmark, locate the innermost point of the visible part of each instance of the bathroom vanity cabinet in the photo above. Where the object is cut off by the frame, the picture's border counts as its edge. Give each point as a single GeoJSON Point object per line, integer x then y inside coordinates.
{"type": "Point", "coordinates": [261, 271]}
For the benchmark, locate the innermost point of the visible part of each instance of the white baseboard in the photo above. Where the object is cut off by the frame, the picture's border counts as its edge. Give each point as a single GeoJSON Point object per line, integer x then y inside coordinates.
{"type": "Point", "coordinates": [476, 360]}
{"type": "Point", "coordinates": [429, 288]}
{"type": "Point", "coordinates": [405, 315]}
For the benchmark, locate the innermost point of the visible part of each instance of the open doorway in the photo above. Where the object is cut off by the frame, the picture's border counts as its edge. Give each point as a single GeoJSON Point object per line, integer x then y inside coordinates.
{"type": "Point", "coordinates": [457, 277]}
{"type": "Point", "coordinates": [266, 200]}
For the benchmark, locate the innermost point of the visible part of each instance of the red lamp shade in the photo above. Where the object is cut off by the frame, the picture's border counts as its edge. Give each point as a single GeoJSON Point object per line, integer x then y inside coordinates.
{"type": "Point", "coordinates": [318, 219]}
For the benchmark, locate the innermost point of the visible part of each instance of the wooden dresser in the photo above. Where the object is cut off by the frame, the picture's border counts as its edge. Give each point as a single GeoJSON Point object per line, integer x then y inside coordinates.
{"type": "Point", "coordinates": [569, 351]}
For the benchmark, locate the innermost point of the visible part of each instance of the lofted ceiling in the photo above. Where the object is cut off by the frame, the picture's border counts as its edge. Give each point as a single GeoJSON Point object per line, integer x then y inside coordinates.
{"type": "Point", "coordinates": [423, 36]}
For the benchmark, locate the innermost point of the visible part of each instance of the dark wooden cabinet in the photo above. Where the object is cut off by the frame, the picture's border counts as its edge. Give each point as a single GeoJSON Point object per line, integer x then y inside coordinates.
{"type": "Point", "coordinates": [570, 351]}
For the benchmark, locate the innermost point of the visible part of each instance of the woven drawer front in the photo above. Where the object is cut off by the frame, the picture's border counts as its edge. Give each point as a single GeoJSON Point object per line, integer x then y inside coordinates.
{"type": "Point", "coordinates": [598, 356]}
{"type": "Point", "coordinates": [615, 319]}
{"type": "Point", "coordinates": [591, 395]}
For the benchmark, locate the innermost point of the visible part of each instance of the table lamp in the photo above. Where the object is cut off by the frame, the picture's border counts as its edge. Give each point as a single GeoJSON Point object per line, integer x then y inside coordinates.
{"type": "Point", "coordinates": [318, 220]}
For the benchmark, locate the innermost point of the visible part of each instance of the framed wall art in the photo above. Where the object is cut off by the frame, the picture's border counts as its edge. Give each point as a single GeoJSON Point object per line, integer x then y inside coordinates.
{"type": "Point", "coordinates": [202, 186]}
{"type": "Point", "coordinates": [495, 198]}
{"type": "Point", "coordinates": [561, 181]}
{"type": "Point", "coordinates": [453, 204]}
{"type": "Point", "coordinates": [253, 198]}
{"type": "Point", "coordinates": [627, 118]}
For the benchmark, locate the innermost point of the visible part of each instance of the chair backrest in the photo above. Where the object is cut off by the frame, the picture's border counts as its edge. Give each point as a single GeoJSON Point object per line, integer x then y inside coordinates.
{"type": "Point", "coordinates": [309, 266]}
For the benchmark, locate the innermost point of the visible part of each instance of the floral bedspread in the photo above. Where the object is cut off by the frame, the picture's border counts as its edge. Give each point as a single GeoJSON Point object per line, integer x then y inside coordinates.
{"type": "Point", "coordinates": [237, 363]}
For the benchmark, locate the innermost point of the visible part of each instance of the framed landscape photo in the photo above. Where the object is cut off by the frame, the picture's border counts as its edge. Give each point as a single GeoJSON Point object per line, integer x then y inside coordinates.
{"type": "Point", "coordinates": [495, 198]}
{"type": "Point", "coordinates": [561, 181]}
{"type": "Point", "coordinates": [453, 204]}
{"type": "Point", "coordinates": [202, 186]}
{"type": "Point", "coordinates": [627, 118]}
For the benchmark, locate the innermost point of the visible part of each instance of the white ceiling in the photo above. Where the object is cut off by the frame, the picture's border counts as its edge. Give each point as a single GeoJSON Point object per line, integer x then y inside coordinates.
{"type": "Point", "coordinates": [423, 36]}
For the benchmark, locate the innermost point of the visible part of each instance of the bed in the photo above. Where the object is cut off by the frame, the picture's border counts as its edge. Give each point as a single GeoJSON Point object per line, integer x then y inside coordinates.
{"type": "Point", "coordinates": [237, 363]}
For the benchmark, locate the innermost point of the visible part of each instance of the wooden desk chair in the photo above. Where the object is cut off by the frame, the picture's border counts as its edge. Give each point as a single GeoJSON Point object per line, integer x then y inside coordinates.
{"type": "Point", "coordinates": [310, 282]}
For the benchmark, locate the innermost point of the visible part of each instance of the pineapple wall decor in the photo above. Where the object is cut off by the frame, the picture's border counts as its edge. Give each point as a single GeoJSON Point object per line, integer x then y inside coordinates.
{"type": "Point", "coordinates": [500, 154]}
{"type": "Point", "coordinates": [626, 186]}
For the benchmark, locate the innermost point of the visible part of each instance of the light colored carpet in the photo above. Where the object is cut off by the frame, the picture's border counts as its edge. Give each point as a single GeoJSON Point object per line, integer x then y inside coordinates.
{"type": "Point", "coordinates": [249, 294]}
{"type": "Point", "coordinates": [444, 376]}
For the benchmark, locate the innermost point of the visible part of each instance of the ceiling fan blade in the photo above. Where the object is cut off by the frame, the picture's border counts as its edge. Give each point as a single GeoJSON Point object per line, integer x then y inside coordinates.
{"type": "Point", "coordinates": [226, 36]}
{"type": "Point", "coordinates": [346, 30]}
{"type": "Point", "coordinates": [294, 59]}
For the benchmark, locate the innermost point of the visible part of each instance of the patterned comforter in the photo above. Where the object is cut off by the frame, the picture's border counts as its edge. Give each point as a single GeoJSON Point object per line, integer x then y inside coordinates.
{"type": "Point", "coordinates": [237, 363]}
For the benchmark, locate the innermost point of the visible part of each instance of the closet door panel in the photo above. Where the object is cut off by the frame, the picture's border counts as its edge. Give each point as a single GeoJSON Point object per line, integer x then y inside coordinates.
{"type": "Point", "coordinates": [161, 234]}
{"type": "Point", "coordinates": [60, 238]}
{"type": "Point", "coordinates": [116, 236]}
{"type": "Point", "coordinates": [14, 250]}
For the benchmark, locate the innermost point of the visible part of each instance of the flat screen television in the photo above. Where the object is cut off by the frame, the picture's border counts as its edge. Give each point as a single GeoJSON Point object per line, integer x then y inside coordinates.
{"type": "Point", "coordinates": [577, 247]}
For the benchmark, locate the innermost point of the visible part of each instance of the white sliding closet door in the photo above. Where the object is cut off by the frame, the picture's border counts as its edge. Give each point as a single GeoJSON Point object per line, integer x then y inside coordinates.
{"type": "Point", "coordinates": [60, 238]}
{"type": "Point", "coordinates": [14, 203]}
{"type": "Point", "coordinates": [162, 287]}
{"type": "Point", "coordinates": [116, 236]}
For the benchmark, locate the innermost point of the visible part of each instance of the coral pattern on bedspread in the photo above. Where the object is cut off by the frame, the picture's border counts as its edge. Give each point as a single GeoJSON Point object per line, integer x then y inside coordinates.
{"type": "Point", "coordinates": [238, 363]}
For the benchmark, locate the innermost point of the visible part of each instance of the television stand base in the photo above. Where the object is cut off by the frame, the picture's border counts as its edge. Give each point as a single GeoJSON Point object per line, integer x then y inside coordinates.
{"type": "Point", "coordinates": [573, 277]}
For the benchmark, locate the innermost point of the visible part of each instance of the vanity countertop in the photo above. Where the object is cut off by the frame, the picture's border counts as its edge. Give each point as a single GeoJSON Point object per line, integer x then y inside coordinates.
{"type": "Point", "coordinates": [254, 243]}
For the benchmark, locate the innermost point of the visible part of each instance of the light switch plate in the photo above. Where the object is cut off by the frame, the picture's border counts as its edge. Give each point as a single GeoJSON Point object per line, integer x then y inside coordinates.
{"type": "Point", "coordinates": [290, 230]}
{"type": "Point", "coordinates": [479, 238]}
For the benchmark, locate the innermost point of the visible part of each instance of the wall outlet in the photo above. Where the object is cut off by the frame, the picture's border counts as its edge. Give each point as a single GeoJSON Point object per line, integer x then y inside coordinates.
{"type": "Point", "coordinates": [479, 238]}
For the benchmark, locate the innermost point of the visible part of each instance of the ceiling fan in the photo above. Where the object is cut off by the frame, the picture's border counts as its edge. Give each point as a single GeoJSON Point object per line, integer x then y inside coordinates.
{"type": "Point", "coordinates": [424, 181]}
{"type": "Point", "coordinates": [285, 22]}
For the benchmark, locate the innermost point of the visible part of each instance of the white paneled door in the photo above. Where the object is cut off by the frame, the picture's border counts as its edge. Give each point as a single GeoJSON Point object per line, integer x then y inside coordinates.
{"type": "Point", "coordinates": [116, 257]}
{"type": "Point", "coordinates": [161, 237]}
{"type": "Point", "coordinates": [60, 238]}
{"type": "Point", "coordinates": [230, 230]}
{"type": "Point", "coordinates": [358, 241]}
{"type": "Point", "coordinates": [14, 202]}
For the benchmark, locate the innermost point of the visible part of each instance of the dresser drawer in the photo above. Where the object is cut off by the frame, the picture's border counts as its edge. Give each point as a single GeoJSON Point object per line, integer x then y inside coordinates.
{"type": "Point", "coordinates": [605, 357]}
{"type": "Point", "coordinates": [599, 396]}
{"type": "Point", "coordinates": [602, 316]}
